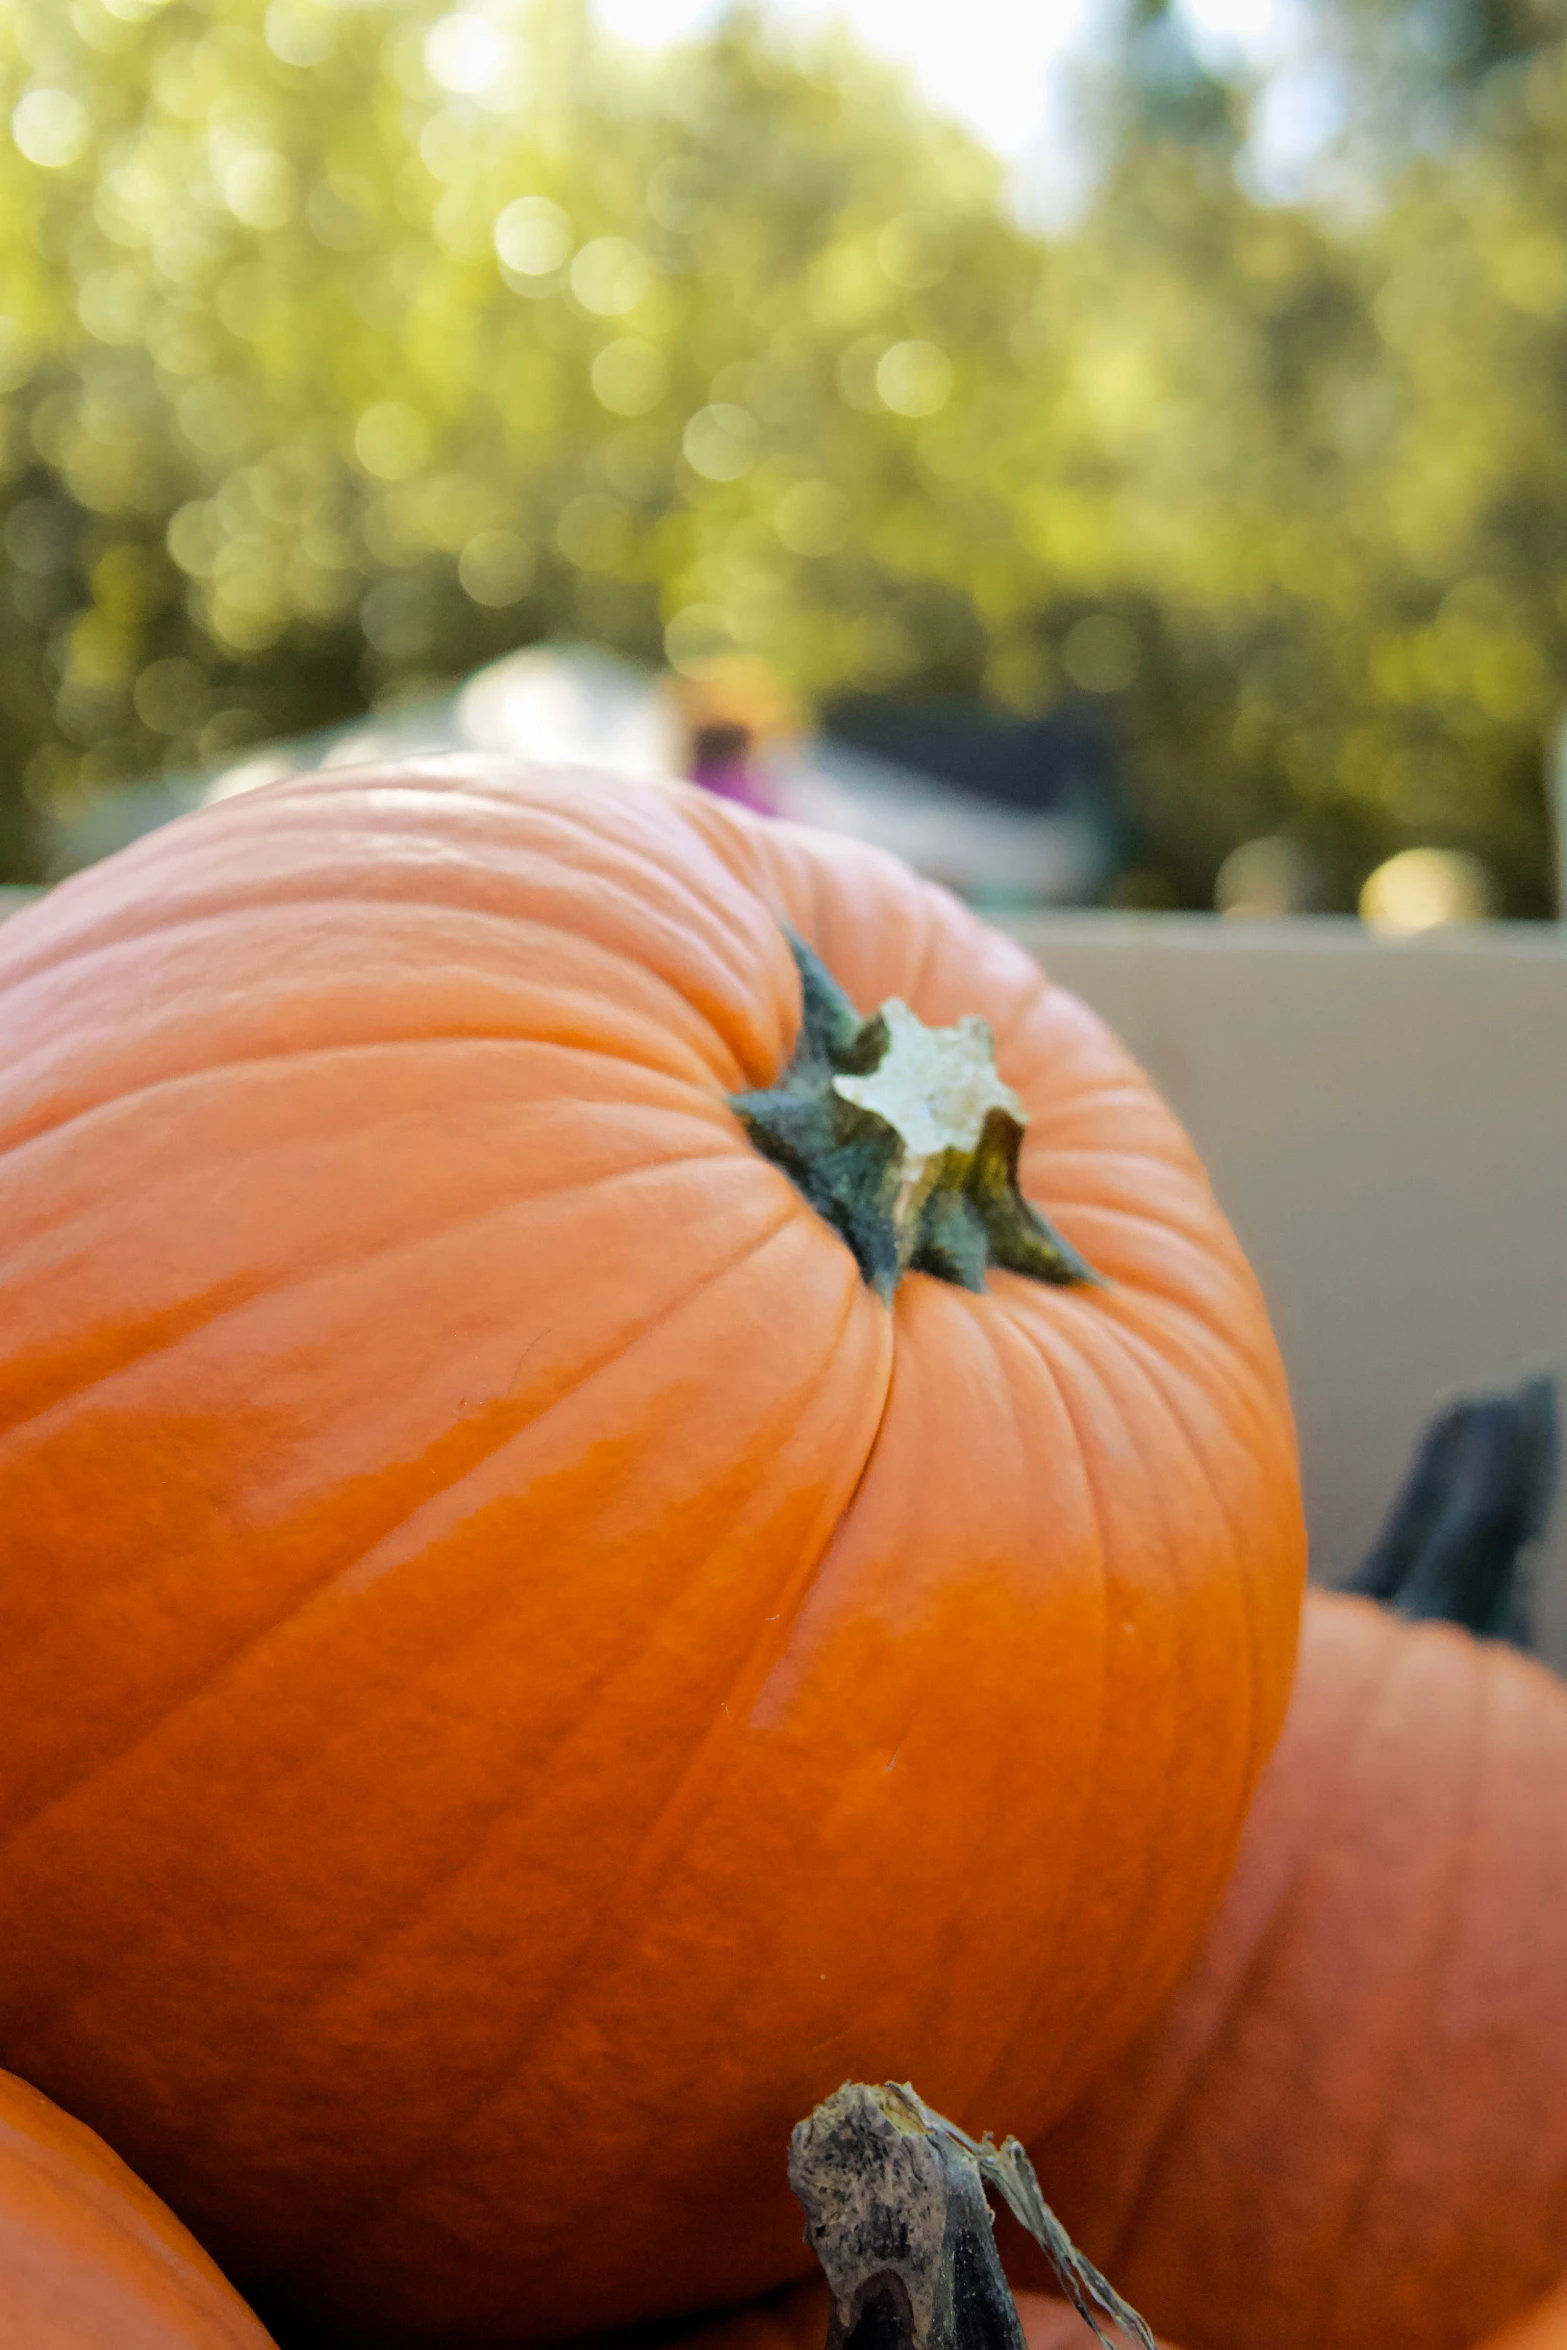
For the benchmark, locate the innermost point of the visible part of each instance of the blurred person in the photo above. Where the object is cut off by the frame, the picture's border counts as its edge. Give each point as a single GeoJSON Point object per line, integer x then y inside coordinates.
{"type": "Point", "coordinates": [737, 721]}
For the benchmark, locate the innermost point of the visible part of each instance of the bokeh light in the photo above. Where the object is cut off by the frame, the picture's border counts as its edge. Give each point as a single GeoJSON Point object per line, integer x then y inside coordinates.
{"type": "Point", "coordinates": [1425, 889]}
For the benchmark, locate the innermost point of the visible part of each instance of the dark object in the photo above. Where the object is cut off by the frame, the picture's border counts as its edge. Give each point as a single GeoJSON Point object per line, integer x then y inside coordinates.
{"type": "Point", "coordinates": [1064, 761]}
{"type": "Point", "coordinates": [895, 2211]}
{"type": "Point", "coordinates": [721, 745]}
{"type": "Point", "coordinates": [1478, 1492]}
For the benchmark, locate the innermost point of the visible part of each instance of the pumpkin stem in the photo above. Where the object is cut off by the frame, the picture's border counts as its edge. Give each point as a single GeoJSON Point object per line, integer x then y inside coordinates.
{"type": "Point", "coordinates": [906, 1140]}
{"type": "Point", "coordinates": [1477, 1493]}
{"type": "Point", "coordinates": [895, 2211]}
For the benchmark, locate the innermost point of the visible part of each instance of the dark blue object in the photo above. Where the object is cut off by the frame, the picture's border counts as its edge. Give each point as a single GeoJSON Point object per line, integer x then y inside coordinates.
{"type": "Point", "coordinates": [1479, 1491]}
{"type": "Point", "coordinates": [1064, 761]}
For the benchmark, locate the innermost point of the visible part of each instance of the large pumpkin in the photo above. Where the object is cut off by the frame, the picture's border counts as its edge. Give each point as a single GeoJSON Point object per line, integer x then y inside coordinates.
{"type": "Point", "coordinates": [521, 1665]}
{"type": "Point", "coordinates": [89, 2260]}
{"type": "Point", "coordinates": [1348, 2131]}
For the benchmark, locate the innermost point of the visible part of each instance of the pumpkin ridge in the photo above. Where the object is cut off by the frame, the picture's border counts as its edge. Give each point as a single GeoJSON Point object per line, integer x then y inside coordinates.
{"type": "Point", "coordinates": [772, 874]}
{"type": "Point", "coordinates": [566, 818]}
{"type": "Point", "coordinates": [919, 977]}
{"type": "Point", "coordinates": [1168, 1332]}
{"type": "Point", "coordinates": [1165, 1378]}
{"type": "Point", "coordinates": [1033, 1003]}
{"type": "Point", "coordinates": [290, 1054]}
{"type": "Point", "coordinates": [804, 1577]}
{"type": "Point", "coordinates": [341, 1575]}
{"type": "Point", "coordinates": [187, 1326]}
{"type": "Point", "coordinates": [574, 1973]}
{"type": "Point", "coordinates": [1147, 1285]}
{"type": "Point", "coordinates": [264, 1284]}
{"type": "Point", "coordinates": [1090, 1102]}
{"type": "Point", "coordinates": [1050, 1941]}
{"type": "Point", "coordinates": [1440, 1945]}
{"type": "Point", "coordinates": [1165, 2137]}
{"type": "Point", "coordinates": [1162, 1381]}
{"type": "Point", "coordinates": [1165, 1323]}
{"type": "Point", "coordinates": [1157, 1368]}
{"type": "Point", "coordinates": [482, 920]}
{"type": "Point", "coordinates": [699, 911]}
{"type": "Point", "coordinates": [1162, 1217]}
{"type": "Point", "coordinates": [217, 910]}
{"type": "Point", "coordinates": [1172, 1234]}
{"type": "Point", "coordinates": [1043, 999]}
{"type": "Point", "coordinates": [534, 825]}
{"type": "Point", "coordinates": [220, 905]}
{"type": "Point", "coordinates": [1065, 1152]}
{"type": "Point", "coordinates": [1068, 1346]}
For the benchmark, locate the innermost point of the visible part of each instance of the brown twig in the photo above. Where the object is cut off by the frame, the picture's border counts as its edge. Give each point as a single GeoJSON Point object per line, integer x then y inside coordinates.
{"type": "Point", "coordinates": [895, 2210]}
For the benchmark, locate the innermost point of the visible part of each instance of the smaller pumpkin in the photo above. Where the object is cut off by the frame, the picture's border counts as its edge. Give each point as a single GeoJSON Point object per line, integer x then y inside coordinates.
{"type": "Point", "coordinates": [89, 2258]}
{"type": "Point", "coordinates": [1348, 2130]}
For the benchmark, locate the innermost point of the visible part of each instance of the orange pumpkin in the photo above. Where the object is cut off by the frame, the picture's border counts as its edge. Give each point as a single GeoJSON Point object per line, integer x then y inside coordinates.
{"type": "Point", "coordinates": [1348, 2131]}
{"type": "Point", "coordinates": [1544, 2327]}
{"type": "Point", "coordinates": [521, 1668]}
{"type": "Point", "coordinates": [89, 2260]}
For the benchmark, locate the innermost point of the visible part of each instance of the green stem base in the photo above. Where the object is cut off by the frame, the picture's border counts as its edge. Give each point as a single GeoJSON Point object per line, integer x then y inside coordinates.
{"type": "Point", "coordinates": [906, 1141]}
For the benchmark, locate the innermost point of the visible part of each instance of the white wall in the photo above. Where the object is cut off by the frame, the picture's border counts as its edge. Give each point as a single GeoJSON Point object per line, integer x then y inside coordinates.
{"type": "Point", "coordinates": [1385, 1123]}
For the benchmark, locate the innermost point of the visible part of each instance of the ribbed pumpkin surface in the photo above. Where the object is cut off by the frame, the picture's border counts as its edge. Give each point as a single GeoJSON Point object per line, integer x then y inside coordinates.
{"type": "Point", "coordinates": [520, 1673]}
{"type": "Point", "coordinates": [89, 2260]}
{"type": "Point", "coordinates": [1348, 2131]}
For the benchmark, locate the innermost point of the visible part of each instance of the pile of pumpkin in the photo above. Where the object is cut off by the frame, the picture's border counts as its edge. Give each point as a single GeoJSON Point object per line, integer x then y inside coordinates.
{"type": "Point", "coordinates": [638, 1475]}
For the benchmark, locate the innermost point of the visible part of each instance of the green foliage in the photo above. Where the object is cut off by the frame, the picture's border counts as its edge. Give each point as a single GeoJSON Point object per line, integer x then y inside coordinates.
{"type": "Point", "coordinates": [1415, 73]}
{"type": "Point", "coordinates": [1157, 87]}
{"type": "Point", "coordinates": [344, 347]}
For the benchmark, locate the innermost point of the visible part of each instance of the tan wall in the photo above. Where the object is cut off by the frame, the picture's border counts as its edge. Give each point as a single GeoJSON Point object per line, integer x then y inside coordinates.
{"type": "Point", "coordinates": [1385, 1123]}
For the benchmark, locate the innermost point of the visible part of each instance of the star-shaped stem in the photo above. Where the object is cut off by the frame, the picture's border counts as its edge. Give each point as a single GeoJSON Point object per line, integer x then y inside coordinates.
{"type": "Point", "coordinates": [906, 1140]}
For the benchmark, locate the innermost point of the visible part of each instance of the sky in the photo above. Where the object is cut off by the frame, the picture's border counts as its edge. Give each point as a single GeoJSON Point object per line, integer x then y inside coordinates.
{"type": "Point", "coordinates": [999, 65]}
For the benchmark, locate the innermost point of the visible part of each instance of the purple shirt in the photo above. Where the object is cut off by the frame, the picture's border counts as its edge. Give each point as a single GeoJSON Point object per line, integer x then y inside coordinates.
{"type": "Point", "coordinates": [732, 779]}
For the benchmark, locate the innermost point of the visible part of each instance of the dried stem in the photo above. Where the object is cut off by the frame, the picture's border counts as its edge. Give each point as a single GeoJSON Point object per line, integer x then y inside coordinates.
{"type": "Point", "coordinates": [895, 2210]}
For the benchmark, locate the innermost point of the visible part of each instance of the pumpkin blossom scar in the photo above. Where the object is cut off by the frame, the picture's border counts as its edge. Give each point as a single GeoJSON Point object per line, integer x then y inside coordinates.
{"type": "Point", "coordinates": [935, 1087]}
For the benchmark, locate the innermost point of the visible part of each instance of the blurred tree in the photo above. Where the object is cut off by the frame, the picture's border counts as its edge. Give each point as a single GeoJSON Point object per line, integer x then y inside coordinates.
{"type": "Point", "coordinates": [1415, 73]}
{"type": "Point", "coordinates": [342, 348]}
{"type": "Point", "coordinates": [1362, 619]}
{"type": "Point", "coordinates": [347, 348]}
{"type": "Point", "coordinates": [1154, 85]}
